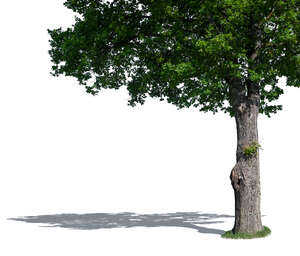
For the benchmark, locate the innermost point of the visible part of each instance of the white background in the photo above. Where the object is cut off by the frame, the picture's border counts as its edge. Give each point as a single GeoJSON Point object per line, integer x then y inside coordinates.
{"type": "Point", "coordinates": [64, 151]}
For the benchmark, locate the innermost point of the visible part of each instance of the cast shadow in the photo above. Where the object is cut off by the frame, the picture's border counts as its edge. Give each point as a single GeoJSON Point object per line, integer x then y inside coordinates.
{"type": "Point", "coordinates": [91, 221]}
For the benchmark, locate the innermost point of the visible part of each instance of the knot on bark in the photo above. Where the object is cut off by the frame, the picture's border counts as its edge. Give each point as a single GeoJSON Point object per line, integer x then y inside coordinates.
{"type": "Point", "coordinates": [254, 100]}
{"type": "Point", "coordinates": [237, 177]}
{"type": "Point", "coordinates": [241, 108]}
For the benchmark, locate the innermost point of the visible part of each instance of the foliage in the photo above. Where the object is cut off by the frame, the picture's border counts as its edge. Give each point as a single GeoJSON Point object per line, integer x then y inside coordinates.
{"type": "Point", "coordinates": [252, 149]}
{"type": "Point", "coordinates": [265, 232]}
{"type": "Point", "coordinates": [185, 52]}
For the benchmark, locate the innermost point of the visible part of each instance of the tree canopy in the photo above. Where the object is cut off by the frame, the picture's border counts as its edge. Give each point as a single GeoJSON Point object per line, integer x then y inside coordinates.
{"type": "Point", "coordinates": [189, 53]}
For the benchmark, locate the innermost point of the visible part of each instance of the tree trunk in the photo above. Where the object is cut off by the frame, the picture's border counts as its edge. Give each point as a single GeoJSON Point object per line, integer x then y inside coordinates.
{"type": "Point", "coordinates": [245, 176]}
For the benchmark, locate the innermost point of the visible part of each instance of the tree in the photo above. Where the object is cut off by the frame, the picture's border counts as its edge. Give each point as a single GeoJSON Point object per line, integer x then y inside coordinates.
{"type": "Point", "coordinates": [220, 55]}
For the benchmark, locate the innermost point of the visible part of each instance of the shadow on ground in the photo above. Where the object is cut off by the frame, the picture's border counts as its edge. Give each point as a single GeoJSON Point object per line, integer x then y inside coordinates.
{"type": "Point", "coordinates": [91, 221]}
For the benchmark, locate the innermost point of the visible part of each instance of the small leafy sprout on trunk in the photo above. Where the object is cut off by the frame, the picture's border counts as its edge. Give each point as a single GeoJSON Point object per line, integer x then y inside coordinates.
{"type": "Point", "coordinates": [252, 149]}
{"type": "Point", "coordinates": [265, 232]}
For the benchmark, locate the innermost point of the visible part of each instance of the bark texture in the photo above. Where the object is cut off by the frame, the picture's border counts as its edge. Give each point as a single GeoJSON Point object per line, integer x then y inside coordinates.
{"type": "Point", "coordinates": [245, 176]}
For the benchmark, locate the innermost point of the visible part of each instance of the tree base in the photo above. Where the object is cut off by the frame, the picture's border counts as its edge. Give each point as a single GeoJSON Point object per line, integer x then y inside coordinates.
{"type": "Point", "coordinates": [265, 232]}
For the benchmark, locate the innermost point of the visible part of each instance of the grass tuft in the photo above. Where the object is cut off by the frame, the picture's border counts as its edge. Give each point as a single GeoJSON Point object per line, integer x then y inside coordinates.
{"type": "Point", "coordinates": [229, 234]}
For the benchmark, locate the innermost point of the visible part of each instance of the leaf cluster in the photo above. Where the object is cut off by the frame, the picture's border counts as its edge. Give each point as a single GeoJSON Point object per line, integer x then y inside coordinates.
{"type": "Point", "coordinates": [185, 52]}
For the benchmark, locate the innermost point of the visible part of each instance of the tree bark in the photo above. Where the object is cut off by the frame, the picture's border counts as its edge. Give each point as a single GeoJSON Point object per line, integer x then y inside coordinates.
{"type": "Point", "coordinates": [245, 176]}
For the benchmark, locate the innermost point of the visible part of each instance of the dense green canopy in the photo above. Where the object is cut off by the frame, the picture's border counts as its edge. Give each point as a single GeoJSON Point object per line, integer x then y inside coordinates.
{"type": "Point", "coordinates": [187, 52]}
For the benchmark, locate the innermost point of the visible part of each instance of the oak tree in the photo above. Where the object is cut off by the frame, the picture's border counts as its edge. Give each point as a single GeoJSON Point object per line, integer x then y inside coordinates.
{"type": "Point", "coordinates": [214, 55]}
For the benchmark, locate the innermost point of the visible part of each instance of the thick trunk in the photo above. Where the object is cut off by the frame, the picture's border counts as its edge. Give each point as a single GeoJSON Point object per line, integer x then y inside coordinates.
{"type": "Point", "coordinates": [245, 177]}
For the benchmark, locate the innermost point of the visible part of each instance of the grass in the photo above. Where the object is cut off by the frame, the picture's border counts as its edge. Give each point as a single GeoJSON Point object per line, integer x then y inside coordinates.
{"type": "Point", "coordinates": [265, 232]}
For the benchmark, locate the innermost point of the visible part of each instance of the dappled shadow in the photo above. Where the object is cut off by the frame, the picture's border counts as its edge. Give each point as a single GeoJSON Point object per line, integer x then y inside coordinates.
{"type": "Point", "coordinates": [91, 221]}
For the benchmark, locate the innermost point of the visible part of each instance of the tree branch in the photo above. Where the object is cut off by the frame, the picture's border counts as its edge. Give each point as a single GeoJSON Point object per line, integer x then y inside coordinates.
{"type": "Point", "coordinates": [257, 28]}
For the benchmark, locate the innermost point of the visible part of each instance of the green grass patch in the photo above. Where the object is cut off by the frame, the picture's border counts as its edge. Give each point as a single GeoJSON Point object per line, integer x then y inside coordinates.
{"type": "Point", "coordinates": [265, 232]}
